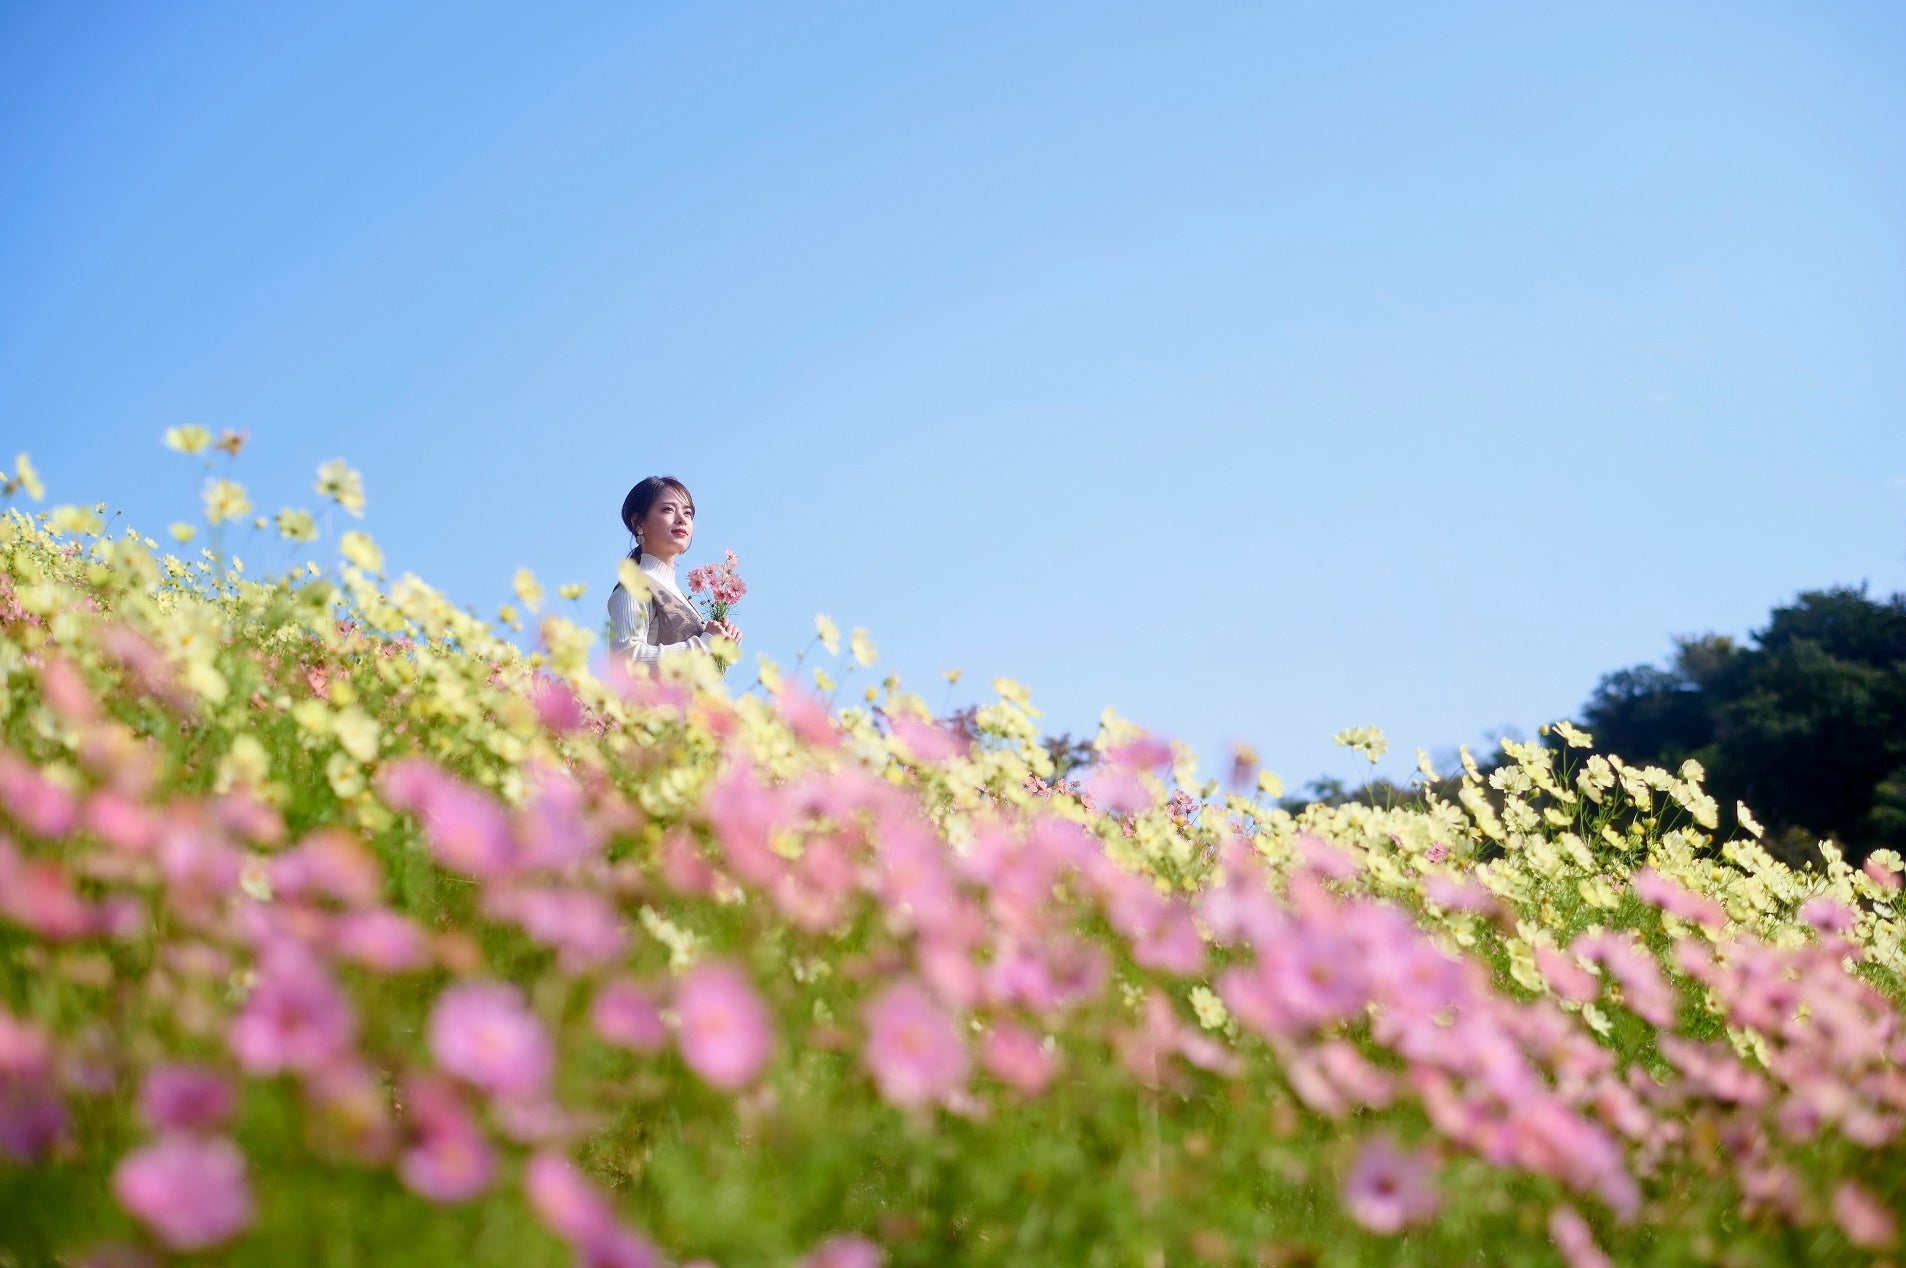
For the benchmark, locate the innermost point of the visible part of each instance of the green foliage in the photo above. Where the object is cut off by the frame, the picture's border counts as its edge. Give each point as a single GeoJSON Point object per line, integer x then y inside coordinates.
{"type": "Point", "coordinates": [1807, 724]}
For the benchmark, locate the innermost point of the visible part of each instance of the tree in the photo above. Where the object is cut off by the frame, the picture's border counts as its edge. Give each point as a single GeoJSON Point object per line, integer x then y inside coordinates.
{"type": "Point", "coordinates": [1807, 725]}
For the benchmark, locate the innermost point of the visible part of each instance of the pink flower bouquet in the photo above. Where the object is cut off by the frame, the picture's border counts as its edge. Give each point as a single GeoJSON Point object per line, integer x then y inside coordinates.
{"type": "Point", "coordinates": [719, 585]}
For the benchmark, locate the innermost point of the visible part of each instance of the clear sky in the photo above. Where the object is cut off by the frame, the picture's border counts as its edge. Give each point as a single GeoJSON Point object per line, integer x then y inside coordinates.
{"type": "Point", "coordinates": [1257, 369]}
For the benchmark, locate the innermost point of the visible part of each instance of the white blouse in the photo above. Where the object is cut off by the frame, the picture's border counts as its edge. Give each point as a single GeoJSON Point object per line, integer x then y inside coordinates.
{"type": "Point", "coordinates": [629, 620]}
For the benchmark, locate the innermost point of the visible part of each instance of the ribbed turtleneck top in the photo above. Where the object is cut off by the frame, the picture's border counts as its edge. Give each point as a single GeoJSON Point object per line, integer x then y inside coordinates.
{"type": "Point", "coordinates": [633, 626]}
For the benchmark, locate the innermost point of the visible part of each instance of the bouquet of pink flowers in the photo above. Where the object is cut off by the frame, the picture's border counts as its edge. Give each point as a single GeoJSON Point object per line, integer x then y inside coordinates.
{"type": "Point", "coordinates": [720, 585]}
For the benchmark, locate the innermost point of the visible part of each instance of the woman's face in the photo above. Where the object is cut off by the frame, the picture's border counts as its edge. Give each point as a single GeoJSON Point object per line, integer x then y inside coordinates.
{"type": "Point", "coordinates": [667, 528]}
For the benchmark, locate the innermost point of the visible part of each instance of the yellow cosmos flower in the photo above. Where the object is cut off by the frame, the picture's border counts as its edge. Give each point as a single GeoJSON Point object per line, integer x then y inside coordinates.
{"type": "Point", "coordinates": [361, 550]}
{"type": "Point", "coordinates": [861, 645]}
{"type": "Point", "coordinates": [768, 672]}
{"type": "Point", "coordinates": [828, 632]}
{"type": "Point", "coordinates": [528, 590]}
{"type": "Point", "coordinates": [356, 733]}
{"type": "Point", "coordinates": [1572, 737]}
{"type": "Point", "coordinates": [297, 526]}
{"type": "Point", "coordinates": [225, 500]}
{"type": "Point", "coordinates": [574, 590]}
{"type": "Point", "coordinates": [1211, 1012]}
{"type": "Point", "coordinates": [188, 439]}
{"type": "Point", "coordinates": [246, 762]}
{"type": "Point", "coordinates": [344, 776]}
{"type": "Point", "coordinates": [26, 479]}
{"type": "Point", "coordinates": [338, 483]}
{"type": "Point", "coordinates": [1367, 740]}
{"type": "Point", "coordinates": [75, 521]}
{"type": "Point", "coordinates": [633, 579]}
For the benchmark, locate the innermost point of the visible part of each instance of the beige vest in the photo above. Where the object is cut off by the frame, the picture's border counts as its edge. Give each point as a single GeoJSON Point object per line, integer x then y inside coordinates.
{"type": "Point", "coordinates": [670, 619]}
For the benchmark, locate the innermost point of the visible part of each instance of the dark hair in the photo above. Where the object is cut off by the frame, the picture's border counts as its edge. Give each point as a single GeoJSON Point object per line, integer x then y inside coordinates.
{"type": "Point", "coordinates": [645, 495]}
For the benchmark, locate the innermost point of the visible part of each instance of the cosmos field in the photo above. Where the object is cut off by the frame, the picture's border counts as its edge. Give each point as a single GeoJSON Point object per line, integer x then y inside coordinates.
{"type": "Point", "coordinates": [336, 928]}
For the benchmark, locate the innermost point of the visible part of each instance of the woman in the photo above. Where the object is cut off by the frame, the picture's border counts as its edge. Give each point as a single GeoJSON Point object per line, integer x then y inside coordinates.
{"type": "Point", "coordinates": [661, 514]}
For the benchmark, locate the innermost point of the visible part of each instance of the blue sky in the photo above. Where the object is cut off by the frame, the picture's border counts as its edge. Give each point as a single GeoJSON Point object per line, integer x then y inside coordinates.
{"type": "Point", "coordinates": [1259, 370]}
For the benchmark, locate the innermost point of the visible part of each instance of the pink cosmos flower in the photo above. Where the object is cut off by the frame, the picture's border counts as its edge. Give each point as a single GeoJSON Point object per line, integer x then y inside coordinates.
{"type": "Point", "coordinates": [407, 783]}
{"type": "Point", "coordinates": [1017, 1057]}
{"type": "Point", "coordinates": [1238, 908]}
{"type": "Point", "coordinates": [448, 1160]}
{"type": "Point", "coordinates": [1119, 790]}
{"type": "Point", "coordinates": [581, 1214]}
{"type": "Point", "coordinates": [1658, 891]}
{"type": "Point", "coordinates": [723, 1029]}
{"type": "Point", "coordinates": [567, 1204]}
{"type": "Point", "coordinates": [242, 814]}
{"type": "Point", "coordinates": [1714, 1070]}
{"type": "Point", "coordinates": [806, 717]}
{"type": "Point", "coordinates": [294, 1019]}
{"type": "Point", "coordinates": [912, 878]}
{"type": "Point", "coordinates": [850, 1251]}
{"type": "Point", "coordinates": [1452, 894]}
{"type": "Point", "coordinates": [350, 1100]}
{"type": "Point", "coordinates": [142, 660]}
{"type": "Point", "coordinates": [1645, 991]}
{"type": "Point", "coordinates": [36, 893]}
{"type": "Point", "coordinates": [745, 816]}
{"type": "Point", "coordinates": [1568, 979]}
{"type": "Point", "coordinates": [120, 821]}
{"type": "Point", "coordinates": [198, 864]}
{"type": "Point", "coordinates": [484, 1033]}
{"type": "Point", "coordinates": [926, 741]}
{"type": "Point", "coordinates": [1255, 1000]}
{"type": "Point", "coordinates": [1323, 858]}
{"type": "Point", "coordinates": [1161, 932]}
{"type": "Point", "coordinates": [1864, 1219]}
{"type": "Point", "coordinates": [1146, 752]}
{"type": "Point", "coordinates": [467, 831]}
{"type": "Point", "coordinates": [618, 1248]}
{"type": "Point", "coordinates": [185, 1098]}
{"type": "Point", "coordinates": [557, 707]}
{"type": "Point", "coordinates": [1572, 1236]}
{"type": "Point", "coordinates": [583, 928]}
{"type": "Point", "coordinates": [721, 583]}
{"type": "Point", "coordinates": [625, 1014]}
{"type": "Point", "coordinates": [32, 1116]}
{"type": "Point", "coordinates": [329, 863]}
{"type": "Point", "coordinates": [554, 825]}
{"type": "Point", "coordinates": [914, 1051]}
{"type": "Point", "coordinates": [1389, 1189]}
{"type": "Point", "coordinates": [64, 691]}
{"type": "Point", "coordinates": [683, 867]}
{"type": "Point", "coordinates": [1828, 916]}
{"type": "Point", "coordinates": [45, 809]}
{"type": "Point", "coordinates": [381, 940]}
{"type": "Point", "coordinates": [1318, 976]}
{"type": "Point", "coordinates": [1353, 1074]}
{"type": "Point", "coordinates": [191, 1191]}
{"type": "Point", "coordinates": [946, 961]}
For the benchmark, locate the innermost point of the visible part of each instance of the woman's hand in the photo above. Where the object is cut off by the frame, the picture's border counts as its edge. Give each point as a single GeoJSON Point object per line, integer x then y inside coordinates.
{"type": "Point", "coordinates": [727, 629]}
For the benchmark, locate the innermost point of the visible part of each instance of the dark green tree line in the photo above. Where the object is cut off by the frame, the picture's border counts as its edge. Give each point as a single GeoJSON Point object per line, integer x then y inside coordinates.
{"type": "Point", "coordinates": [1805, 723]}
